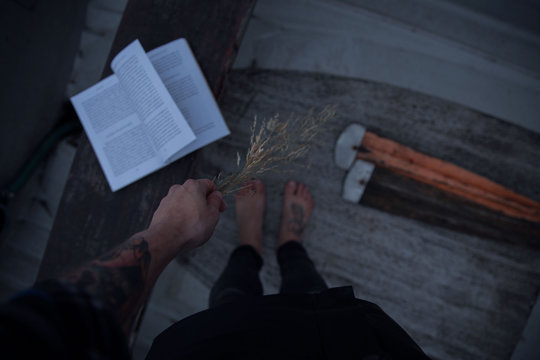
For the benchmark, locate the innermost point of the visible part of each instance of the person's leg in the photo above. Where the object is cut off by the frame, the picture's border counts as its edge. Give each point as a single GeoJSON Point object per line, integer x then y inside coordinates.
{"type": "Point", "coordinates": [241, 275]}
{"type": "Point", "coordinates": [298, 273]}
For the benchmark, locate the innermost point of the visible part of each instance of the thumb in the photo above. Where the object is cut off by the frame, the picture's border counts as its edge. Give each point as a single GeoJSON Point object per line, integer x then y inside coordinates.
{"type": "Point", "coordinates": [215, 200]}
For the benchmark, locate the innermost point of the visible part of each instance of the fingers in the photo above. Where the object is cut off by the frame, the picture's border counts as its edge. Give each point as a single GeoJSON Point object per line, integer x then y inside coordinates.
{"type": "Point", "coordinates": [209, 190]}
{"type": "Point", "coordinates": [204, 186]}
{"type": "Point", "coordinates": [207, 185]}
{"type": "Point", "coordinates": [173, 188]}
{"type": "Point", "coordinates": [215, 200]}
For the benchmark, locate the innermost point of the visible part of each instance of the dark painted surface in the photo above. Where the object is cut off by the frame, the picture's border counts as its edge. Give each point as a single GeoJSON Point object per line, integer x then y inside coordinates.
{"type": "Point", "coordinates": [39, 42]}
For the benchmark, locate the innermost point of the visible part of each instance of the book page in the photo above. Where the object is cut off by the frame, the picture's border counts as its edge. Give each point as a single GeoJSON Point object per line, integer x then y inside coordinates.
{"type": "Point", "coordinates": [179, 71]}
{"type": "Point", "coordinates": [116, 133]}
{"type": "Point", "coordinates": [163, 122]}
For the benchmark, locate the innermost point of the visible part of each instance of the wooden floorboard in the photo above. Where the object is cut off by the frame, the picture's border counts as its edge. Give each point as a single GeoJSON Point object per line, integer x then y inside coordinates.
{"type": "Point", "coordinates": [459, 296]}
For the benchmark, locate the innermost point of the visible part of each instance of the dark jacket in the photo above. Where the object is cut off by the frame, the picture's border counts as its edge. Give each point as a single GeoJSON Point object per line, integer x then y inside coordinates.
{"type": "Point", "coordinates": [58, 321]}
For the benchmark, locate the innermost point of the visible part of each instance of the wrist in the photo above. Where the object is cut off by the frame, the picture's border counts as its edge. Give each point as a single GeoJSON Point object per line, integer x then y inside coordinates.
{"type": "Point", "coordinates": [164, 242]}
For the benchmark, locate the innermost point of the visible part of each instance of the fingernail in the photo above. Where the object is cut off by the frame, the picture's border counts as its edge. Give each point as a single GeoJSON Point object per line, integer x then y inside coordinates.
{"type": "Point", "coordinates": [292, 184]}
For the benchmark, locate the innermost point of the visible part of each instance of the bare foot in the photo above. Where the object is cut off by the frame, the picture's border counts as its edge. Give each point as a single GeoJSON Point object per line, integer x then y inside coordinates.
{"type": "Point", "coordinates": [297, 207]}
{"type": "Point", "coordinates": [250, 204]}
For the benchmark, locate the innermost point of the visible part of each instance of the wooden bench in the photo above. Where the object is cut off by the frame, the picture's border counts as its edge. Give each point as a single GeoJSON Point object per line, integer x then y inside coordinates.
{"type": "Point", "coordinates": [91, 219]}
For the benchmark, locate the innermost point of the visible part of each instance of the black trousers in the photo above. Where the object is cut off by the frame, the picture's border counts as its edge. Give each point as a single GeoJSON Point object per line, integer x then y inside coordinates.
{"type": "Point", "coordinates": [305, 321]}
{"type": "Point", "coordinates": [240, 279]}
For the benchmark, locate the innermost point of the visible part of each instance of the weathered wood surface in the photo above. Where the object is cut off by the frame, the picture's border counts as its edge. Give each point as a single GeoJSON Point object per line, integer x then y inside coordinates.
{"type": "Point", "coordinates": [91, 219]}
{"type": "Point", "coordinates": [406, 197]}
{"type": "Point", "coordinates": [459, 296]}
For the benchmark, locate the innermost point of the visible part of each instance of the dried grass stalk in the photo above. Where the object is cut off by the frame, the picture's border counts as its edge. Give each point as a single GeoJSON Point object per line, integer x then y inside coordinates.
{"type": "Point", "coordinates": [274, 142]}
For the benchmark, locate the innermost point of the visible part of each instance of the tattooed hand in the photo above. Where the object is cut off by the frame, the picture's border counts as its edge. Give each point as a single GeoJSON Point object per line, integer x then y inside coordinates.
{"type": "Point", "coordinates": [188, 214]}
{"type": "Point", "coordinates": [123, 277]}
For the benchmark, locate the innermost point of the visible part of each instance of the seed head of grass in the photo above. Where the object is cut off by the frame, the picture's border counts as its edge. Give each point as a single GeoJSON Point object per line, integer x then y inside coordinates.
{"type": "Point", "coordinates": [273, 143]}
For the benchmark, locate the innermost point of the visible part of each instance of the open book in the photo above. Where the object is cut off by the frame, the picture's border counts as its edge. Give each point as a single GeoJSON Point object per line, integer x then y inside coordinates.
{"type": "Point", "coordinates": [154, 109]}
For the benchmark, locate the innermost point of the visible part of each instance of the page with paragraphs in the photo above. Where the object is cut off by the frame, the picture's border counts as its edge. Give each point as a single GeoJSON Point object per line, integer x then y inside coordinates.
{"type": "Point", "coordinates": [183, 78]}
{"type": "Point", "coordinates": [165, 125]}
{"type": "Point", "coordinates": [116, 133]}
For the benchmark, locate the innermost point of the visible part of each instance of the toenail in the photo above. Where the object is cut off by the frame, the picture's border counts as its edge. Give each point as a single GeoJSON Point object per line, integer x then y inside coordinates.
{"type": "Point", "coordinates": [292, 184]}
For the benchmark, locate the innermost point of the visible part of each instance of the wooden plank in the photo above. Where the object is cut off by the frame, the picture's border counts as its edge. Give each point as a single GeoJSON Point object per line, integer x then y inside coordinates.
{"type": "Point", "coordinates": [459, 296]}
{"type": "Point", "coordinates": [92, 219]}
{"type": "Point", "coordinates": [403, 196]}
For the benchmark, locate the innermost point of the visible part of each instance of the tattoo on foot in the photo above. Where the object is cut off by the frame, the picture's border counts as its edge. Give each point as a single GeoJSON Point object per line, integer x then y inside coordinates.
{"type": "Point", "coordinates": [297, 224]}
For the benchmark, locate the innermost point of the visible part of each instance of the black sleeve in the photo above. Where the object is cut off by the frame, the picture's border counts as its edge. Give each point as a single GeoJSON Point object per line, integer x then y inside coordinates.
{"type": "Point", "coordinates": [56, 320]}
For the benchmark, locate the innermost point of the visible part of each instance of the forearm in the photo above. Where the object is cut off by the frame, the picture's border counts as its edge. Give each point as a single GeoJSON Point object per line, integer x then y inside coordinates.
{"type": "Point", "coordinates": [123, 277]}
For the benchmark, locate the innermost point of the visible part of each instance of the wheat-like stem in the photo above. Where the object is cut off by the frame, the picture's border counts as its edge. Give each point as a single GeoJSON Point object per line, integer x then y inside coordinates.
{"type": "Point", "coordinates": [274, 142]}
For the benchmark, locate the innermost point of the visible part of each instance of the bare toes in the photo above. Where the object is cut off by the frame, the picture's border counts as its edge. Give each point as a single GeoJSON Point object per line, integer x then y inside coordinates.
{"type": "Point", "coordinates": [251, 188]}
{"type": "Point", "coordinates": [290, 188]}
{"type": "Point", "coordinates": [257, 185]}
{"type": "Point", "coordinates": [245, 189]}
